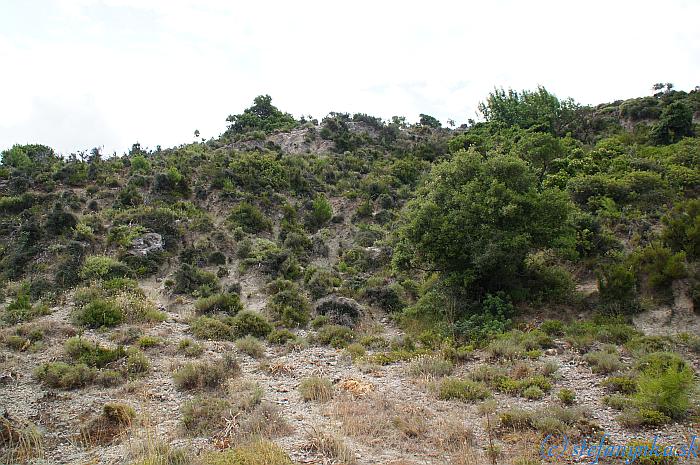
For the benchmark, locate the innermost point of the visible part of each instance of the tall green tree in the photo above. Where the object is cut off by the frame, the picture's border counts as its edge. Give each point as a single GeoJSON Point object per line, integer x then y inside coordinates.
{"type": "Point", "coordinates": [476, 220]}
{"type": "Point", "coordinates": [261, 116]}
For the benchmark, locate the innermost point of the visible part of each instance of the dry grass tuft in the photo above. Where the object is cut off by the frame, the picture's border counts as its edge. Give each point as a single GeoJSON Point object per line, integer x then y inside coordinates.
{"type": "Point", "coordinates": [330, 447]}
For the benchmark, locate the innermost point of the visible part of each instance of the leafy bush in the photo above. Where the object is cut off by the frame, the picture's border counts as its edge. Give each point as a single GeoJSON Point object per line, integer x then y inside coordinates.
{"type": "Point", "coordinates": [99, 313]}
{"type": "Point", "coordinates": [204, 415]}
{"type": "Point", "coordinates": [213, 329]}
{"type": "Point", "coordinates": [190, 348]}
{"type": "Point", "coordinates": [566, 396]}
{"type": "Point", "coordinates": [664, 385]}
{"type": "Point", "coordinates": [430, 365]}
{"type": "Point", "coordinates": [205, 375]}
{"type": "Point", "coordinates": [250, 219]}
{"type": "Point", "coordinates": [335, 335]}
{"type": "Point", "coordinates": [464, 390]}
{"type": "Point", "coordinates": [251, 323]}
{"type": "Point", "coordinates": [604, 362]}
{"type": "Point", "coordinates": [259, 452]}
{"type": "Point", "coordinates": [219, 303]}
{"type": "Point", "coordinates": [190, 279]}
{"type": "Point", "coordinates": [64, 376]}
{"type": "Point", "coordinates": [251, 345]}
{"type": "Point", "coordinates": [289, 306]}
{"type": "Point", "coordinates": [105, 268]}
{"type": "Point", "coordinates": [91, 354]}
{"type": "Point", "coordinates": [321, 212]}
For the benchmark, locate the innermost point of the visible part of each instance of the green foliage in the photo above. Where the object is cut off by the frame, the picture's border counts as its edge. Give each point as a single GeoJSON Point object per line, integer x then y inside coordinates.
{"type": "Point", "coordinates": [617, 283]}
{"type": "Point", "coordinates": [91, 354]}
{"type": "Point", "coordinates": [251, 345]}
{"type": "Point", "coordinates": [335, 335]}
{"type": "Point", "coordinates": [219, 303]}
{"type": "Point", "coordinates": [210, 328]}
{"type": "Point", "coordinates": [105, 268]}
{"type": "Point", "coordinates": [287, 304]}
{"type": "Point", "coordinates": [21, 309]}
{"type": "Point", "coordinates": [251, 323]}
{"type": "Point", "coordinates": [682, 228]}
{"type": "Point", "coordinates": [464, 390]}
{"type": "Point", "coordinates": [315, 388]}
{"type": "Point", "coordinates": [321, 211]}
{"type": "Point", "coordinates": [476, 220]}
{"type": "Point", "coordinates": [190, 280]}
{"type": "Point", "coordinates": [676, 122]}
{"type": "Point", "coordinates": [261, 116]}
{"type": "Point", "coordinates": [664, 385]}
{"type": "Point", "coordinates": [249, 218]}
{"type": "Point", "coordinates": [528, 109]}
{"type": "Point", "coordinates": [256, 172]}
{"type": "Point", "coordinates": [99, 313]}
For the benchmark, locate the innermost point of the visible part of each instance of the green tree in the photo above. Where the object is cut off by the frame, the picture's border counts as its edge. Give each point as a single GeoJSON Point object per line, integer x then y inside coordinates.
{"type": "Point", "coordinates": [676, 122]}
{"type": "Point", "coordinates": [475, 221]}
{"type": "Point", "coordinates": [261, 116]}
{"type": "Point", "coordinates": [529, 109]}
{"type": "Point", "coordinates": [430, 121]}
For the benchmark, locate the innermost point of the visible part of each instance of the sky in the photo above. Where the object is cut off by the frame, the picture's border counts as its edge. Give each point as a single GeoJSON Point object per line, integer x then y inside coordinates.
{"type": "Point", "coordinates": [78, 74]}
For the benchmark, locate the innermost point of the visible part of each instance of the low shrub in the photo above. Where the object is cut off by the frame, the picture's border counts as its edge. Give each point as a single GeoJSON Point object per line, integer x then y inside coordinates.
{"type": "Point", "coordinates": [104, 268]}
{"type": "Point", "coordinates": [91, 353]}
{"type": "Point", "coordinates": [335, 335]}
{"type": "Point", "coordinates": [533, 393]}
{"type": "Point", "coordinates": [219, 303]}
{"type": "Point", "coordinates": [251, 323]}
{"type": "Point", "coordinates": [258, 452]}
{"type": "Point", "coordinates": [462, 389]}
{"type": "Point", "coordinates": [64, 376]}
{"type": "Point", "coordinates": [316, 389]}
{"type": "Point", "coordinates": [190, 280]}
{"type": "Point", "coordinates": [566, 396]}
{"type": "Point", "coordinates": [190, 348]}
{"type": "Point", "coordinates": [430, 365]}
{"type": "Point", "coordinates": [281, 336]}
{"type": "Point", "coordinates": [604, 362]}
{"type": "Point", "coordinates": [99, 313]}
{"type": "Point", "coordinates": [251, 345]}
{"type": "Point", "coordinates": [203, 375]}
{"type": "Point", "coordinates": [213, 329]}
{"type": "Point", "coordinates": [249, 218]}
{"type": "Point", "coordinates": [205, 415]}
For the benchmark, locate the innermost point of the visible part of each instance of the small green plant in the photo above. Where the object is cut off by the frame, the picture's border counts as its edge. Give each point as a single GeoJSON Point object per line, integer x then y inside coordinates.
{"type": "Point", "coordinates": [251, 323]}
{"type": "Point", "coordinates": [190, 348]}
{"type": "Point", "coordinates": [335, 335]}
{"type": "Point", "coordinates": [430, 365]}
{"type": "Point", "coordinates": [281, 336]}
{"type": "Point", "coordinates": [147, 342]}
{"type": "Point", "coordinates": [316, 389]}
{"type": "Point", "coordinates": [137, 362]}
{"type": "Point", "coordinates": [249, 218]}
{"type": "Point", "coordinates": [91, 353]}
{"type": "Point", "coordinates": [213, 329]}
{"type": "Point", "coordinates": [203, 375]}
{"type": "Point", "coordinates": [566, 396]}
{"type": "Point", "coordinates": [462, 389]}
{"type": "Point", "coordinates": [533, 393]}
{"type": "Point", "coordinates": [219, 303]}
{"type": "Point", "coordinates": [99, 313]}
{"type": "Point", "coordinates": [251, 345]}
{"type": "Point", "coordinates": [604, 362]}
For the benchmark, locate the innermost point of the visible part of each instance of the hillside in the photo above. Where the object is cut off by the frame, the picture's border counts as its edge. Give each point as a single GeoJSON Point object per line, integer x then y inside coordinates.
{"type": "Point", "coordinates": [357, 291]}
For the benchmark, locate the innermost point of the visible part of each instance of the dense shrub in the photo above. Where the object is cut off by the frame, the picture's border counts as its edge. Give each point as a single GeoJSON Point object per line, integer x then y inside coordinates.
{"type": "Point", "coordinates": [103, 267]}
{"type": "Point", "coordinates": [249, 218]}
{"type": "Point", "coordinates": [251, 323]}
{"type": "Point", "coordinates": [224, 303]}
{"type": "Point", "coordinates": [99, 313]}
{"type": "Point", "coordinates": [190, 279]}
{"type": "Point", "coordinates": [464, 390]}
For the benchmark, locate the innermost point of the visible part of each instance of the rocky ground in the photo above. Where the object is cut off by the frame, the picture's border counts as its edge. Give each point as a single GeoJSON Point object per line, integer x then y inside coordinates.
{"type": "Point", "coordinates": [363, 392]}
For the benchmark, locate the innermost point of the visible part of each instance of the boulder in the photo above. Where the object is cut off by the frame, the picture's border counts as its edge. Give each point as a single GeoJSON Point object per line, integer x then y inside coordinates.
{"type": "Point", "coordinates": [143, 245]}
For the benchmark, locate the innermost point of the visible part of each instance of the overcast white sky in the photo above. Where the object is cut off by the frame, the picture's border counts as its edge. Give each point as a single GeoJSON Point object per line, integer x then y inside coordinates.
{"type": "Point", "coordinates": [77, 74]}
